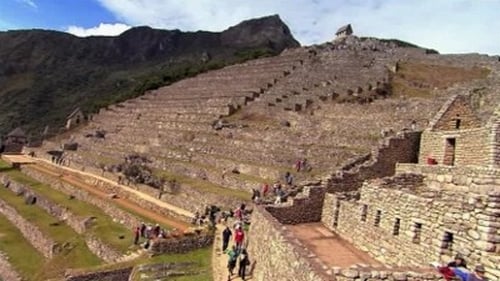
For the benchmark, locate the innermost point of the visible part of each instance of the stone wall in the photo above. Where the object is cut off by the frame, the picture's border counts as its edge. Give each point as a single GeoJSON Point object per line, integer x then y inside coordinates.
{"type": "Point", "coordinates": [403, 223]}
{"type": "Point", "coordinates": [467, 179]}
{"type": "Point", "coordinates": [80, 194]}
{"type": "Point", "coordinates": [121, 274]}
{"type": "Point", "coordinates": [285, 258]}
{"type": "Point", "coordinates": [306, 207]}
{"type": "Point", "coordinates": [79, 224]}
{"type": "Point", "coordinates": [471, 146]}
{"type": "Point", "coordinates": [7, 272]}
{"type": "Point", "coordinates": [281, 257]}
{"type": "Point", "coordinates": [101, 249]}
{"type": "Point", "coordinates": [42, 243]}
{"type": "Point", "coordinates": [402, 148]}
{"type": "Point", "coordinates": [183, 244]}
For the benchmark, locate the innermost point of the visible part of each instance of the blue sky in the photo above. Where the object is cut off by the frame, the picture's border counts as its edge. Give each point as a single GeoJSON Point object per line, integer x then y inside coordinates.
{"type": "Point", "coordinates": [450, 26]}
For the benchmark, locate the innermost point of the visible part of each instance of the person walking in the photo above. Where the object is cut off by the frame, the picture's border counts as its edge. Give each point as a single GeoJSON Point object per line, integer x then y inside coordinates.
{"type": "Point", "coordinates": [226, 235]}
{"type": "Point", "coordinates": [239, 236]}
{"type": "Point", "coordinates": [244, 262]}
{"type": "Point", "coordinates": [231, 262]}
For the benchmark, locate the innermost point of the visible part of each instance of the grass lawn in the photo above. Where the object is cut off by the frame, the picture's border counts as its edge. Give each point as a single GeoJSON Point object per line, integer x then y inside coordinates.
{"type": "Point", "coordinates": [16, 247]}
{"type": "Point", "coordinates": [76, 255]}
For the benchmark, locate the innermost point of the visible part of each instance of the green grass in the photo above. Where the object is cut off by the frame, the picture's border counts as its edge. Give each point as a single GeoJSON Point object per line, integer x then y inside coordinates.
{"type": "Point", "coordinates": [201, 257]}
{"type": "Point", "coordinates": [104, 227]}
{"type": "Point", "coordinates": [16, 246]}
{"type": "Point", "coordinates": [76, 256]}
{"type": "Point", "coordinates": [204, 186]}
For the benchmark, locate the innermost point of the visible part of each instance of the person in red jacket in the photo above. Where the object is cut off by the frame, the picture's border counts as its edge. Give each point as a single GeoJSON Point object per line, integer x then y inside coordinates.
{"type": "Point", "coordinates": [239, 237]}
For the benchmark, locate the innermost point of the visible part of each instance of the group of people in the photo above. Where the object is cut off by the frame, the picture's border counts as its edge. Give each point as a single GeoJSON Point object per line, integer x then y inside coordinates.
{"type": "Point", "coordinates": [237, 254]}
{"type": "Point", "coordinates": [457, 270]}
{"type": "Point", "coordinates": [148, 232]}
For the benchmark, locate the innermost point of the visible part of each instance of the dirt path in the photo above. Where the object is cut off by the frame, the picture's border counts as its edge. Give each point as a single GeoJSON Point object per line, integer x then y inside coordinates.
{"type": "Point", "coordinates": [127, 204]}
{"type": "Point", "coordinates": [329, 247]}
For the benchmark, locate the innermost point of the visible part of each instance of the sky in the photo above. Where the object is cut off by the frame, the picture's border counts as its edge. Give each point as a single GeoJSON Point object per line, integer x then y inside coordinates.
{"type": "Point", "coordinates": [449, 26]}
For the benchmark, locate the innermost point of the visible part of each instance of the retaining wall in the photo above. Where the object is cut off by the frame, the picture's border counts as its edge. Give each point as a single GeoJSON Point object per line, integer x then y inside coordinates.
{"type": "Point", "coordinates": [121, 274]}
{"type": "Point", "coordinates": [42, 243]}
{"type": "Point", "coordinates": [184, 244]}
{"type": "Point", "coordinates": [7, 272]}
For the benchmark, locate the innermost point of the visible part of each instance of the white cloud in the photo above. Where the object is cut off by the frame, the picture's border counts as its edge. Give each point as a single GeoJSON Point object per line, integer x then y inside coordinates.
{"type": "Point", "coordinates": [446, 25]}
{"type": "Point", "coordinates": [102, 29]}
{"type": "Point", "coordinates": [30, 3]}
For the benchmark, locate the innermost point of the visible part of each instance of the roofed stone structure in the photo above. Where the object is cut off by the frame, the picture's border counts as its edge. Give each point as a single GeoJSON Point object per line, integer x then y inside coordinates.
{"type": "Point", "coordinates": [344, 31]}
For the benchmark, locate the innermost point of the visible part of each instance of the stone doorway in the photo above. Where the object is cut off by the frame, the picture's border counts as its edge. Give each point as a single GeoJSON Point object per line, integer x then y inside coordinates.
{"type": "Point", "coordinates": [449, 152]}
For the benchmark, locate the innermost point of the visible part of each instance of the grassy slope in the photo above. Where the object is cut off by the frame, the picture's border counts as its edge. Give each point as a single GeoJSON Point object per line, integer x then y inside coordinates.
{"type": "Point", "coordinates": [15, 246]}
{"type": "Point", "coordinates": [104, 227]}
{"type": "Point", "coordinates": [416, 79]}
{"type": "Point", "coordinates": [77, 255]}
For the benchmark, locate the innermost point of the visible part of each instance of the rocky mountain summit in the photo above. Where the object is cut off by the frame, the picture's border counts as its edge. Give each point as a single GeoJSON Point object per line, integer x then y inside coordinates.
{"type": "Point", "coordinates": [45, 74]}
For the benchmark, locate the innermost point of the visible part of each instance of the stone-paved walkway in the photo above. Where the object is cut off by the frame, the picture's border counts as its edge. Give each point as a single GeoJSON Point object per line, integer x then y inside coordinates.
{"type": "Point", "coordinates": [329, 247]}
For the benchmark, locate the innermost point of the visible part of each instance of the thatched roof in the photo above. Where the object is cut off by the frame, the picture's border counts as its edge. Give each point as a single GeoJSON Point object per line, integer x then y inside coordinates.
{"type": "Point", "coordinates": [346, 28]}
{"type": "Point", "coordinates": [75, 112]}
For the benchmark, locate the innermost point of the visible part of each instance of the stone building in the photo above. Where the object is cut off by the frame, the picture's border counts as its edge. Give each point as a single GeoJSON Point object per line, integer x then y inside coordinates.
{"type": "Point", "coordinates": [457, 137]}
{"type": "Point", "coordinates": [75, 118]}
{"type": "Point", "coordinates": [431, 211]}
{"type": "Point", "coordinates": [344, 31]}
{"type": "Point", "coordinates": [14, 141]}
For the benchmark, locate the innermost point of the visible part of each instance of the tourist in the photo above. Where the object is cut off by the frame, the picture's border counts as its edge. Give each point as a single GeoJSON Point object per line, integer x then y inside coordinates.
{"type": "Point", "coordinates": [255, 194]}
{"type": "Point", "coordinates": [226, 235]}
{"type": "Point", "coordinates": [288, 178]}
{"type": "Point", "coordinates": [244, 262]}
{"type": "Point", "coordinates": [137, 233]}
{"type": "Point", "coordinates": [156, 230]}
{"type": "Point", "coordinates": [298, 165]}
{"type": "Point", "coordinates": [455, 268]}
{"type": "Point", "coordinates": [478, 274]}
{"type": "Point", "coordinates": [265, 189]}
{"type": "Point", "coordinates": [143, 229]}
{"type": "Point", "coordinates": [231, 262]}
{"type": "Point", "coordinates": [239, 237]}
{"type": "Point", "coordinates": [224, 172]}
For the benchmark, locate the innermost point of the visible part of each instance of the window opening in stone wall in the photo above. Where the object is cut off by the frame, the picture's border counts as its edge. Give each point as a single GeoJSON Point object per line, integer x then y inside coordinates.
{"type": "Point", "coordinates": [447, 245]}
{"type": "Point", "coordinates": [364, 212]}
{"type": "Point", "coordinates": [449, 152]}
{"type": "Point", "coordinates": [377, 218]}
{"type": "Point", "coordinates": [417, 231]}
{"type": "Point", "coordinates": [457, 123]}
{"type": "Point", "coordinates": [397, 224]}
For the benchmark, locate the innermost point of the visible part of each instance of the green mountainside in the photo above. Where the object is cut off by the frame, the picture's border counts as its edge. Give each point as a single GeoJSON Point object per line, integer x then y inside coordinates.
{"type": "Point", "coordinates": [45, 75]}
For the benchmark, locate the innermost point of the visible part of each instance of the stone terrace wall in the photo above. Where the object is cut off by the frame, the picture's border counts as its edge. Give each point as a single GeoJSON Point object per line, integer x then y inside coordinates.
{"type": "Point", "coordinates": [110, 210]}
{"type": "Point", "coordinates": [7, 272]}
{"type": "Point", "coordinates": [42, 243]}
{"type": "Point", "coordinates": [472, 219]}
{"type": "Point", "coordinates": [302, 209]}
{"type": "Point", "coordinates": [121, 274]}
{"type": "Point", "coordinates": [79, 224]}
{"type": "Point", "coordinates": [403, 148]}
{"type": "Point", "coordinates": [184, 244]}
{"type": "Point", "coordinates": [101, 249]}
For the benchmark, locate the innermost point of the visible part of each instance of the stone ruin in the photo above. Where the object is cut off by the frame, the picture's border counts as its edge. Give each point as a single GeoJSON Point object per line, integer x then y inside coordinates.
{"type": "Point", "coordinates": [336, 99]}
